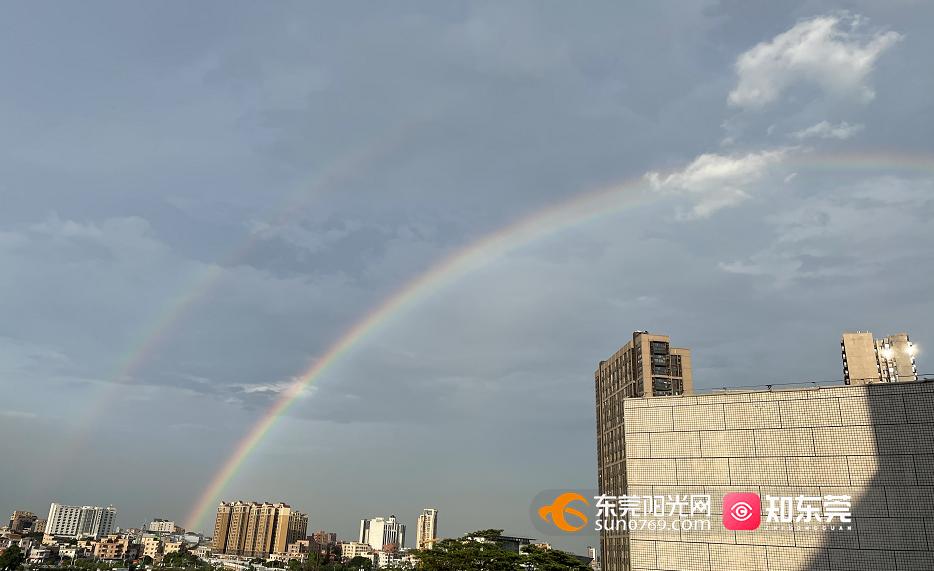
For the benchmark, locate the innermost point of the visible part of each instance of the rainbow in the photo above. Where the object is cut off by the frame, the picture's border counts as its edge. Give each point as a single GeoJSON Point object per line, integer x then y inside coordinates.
{"type": "Point", "coordinates": [461, 263]}
{"type": "Point", "coordinates": [175, 312]}
{"type": "Point", "coordinates": [573, 212]}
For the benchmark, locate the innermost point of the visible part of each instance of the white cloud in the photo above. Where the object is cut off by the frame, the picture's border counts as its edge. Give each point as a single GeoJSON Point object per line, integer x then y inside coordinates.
{"type": "Point", "coordinates": [717, 181]}
{"type": "Point", "coordinates": [829, 51]}
{"type": "Point", "coordinates": [825, 130]}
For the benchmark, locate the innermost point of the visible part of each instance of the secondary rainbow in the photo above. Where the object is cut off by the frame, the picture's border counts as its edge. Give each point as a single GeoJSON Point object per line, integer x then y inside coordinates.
{"type": "Point", "coordinates": [175, 312]}
{"type": "Point", "coordinates": [565, 215]}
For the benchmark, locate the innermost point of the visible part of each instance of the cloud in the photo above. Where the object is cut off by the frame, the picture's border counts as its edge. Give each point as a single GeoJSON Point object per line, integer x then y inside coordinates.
{"type": "Point", "coordinates": [820, 51]}
{"type": "Point", "coordinates": [824, 236]}
{"type": "Point", "coordinates": [509, 41]}
{"type": "Point", "coordinates": [17, 414]}
{"type": "Point", "coordinates": [718, 181]}
{"type": "Point", "coordinates": [825, 130]}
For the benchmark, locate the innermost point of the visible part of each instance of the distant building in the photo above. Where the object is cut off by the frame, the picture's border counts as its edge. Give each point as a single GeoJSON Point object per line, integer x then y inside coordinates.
{"type": "Point", "coordinates": [378, 532]}
{"type": "Point", "coordinates": [351, 549]}
{"type": "Point", "coordinates": [887, 360]}
{"type": "Point", "coordinates": [324, 538]}
{"type": "Point", "coordinates": [86, 521]}
{"type": "Point", "coordinates": [22, 522]}
{"type": "Point", "coordinates": [114, 547]}
{"type": "Point", "coordinates": [510, 542]}
{"type": "Point", "coordinates": [150, 547]}
{"type": "Point", "coordinates": [256, 530]}
{"type": "Point", "coordinates": [163, 526]}
{"type": "Point", "coordinates": [39, 526]}
{"type": "Point", "coordinates": [427, 529]}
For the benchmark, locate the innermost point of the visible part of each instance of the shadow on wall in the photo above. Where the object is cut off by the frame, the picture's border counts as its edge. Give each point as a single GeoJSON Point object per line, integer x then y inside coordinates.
{"type": "Point", "coordinates": [892, 491]}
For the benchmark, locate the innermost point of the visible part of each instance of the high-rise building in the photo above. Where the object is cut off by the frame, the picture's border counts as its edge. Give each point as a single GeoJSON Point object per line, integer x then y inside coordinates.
{"type": "Point", "coordinates": [647, 366]}
{"type": "Point", "coordinates": [257, 529]}
{"type": "Point", "coordinates": [887, 360]}
{"type": "Point", "coordinates": [39, 526]}
{"type": "Point", "coordinates": [21, 521]}
{"type": "Point", "coordinates": [85, 521]}
{"type": "Point", "coordinates": [824, 478]}
{"type": "Point", "coordinates": [378, 532]}
{"type": "Point", "coordinates": [427, 529]}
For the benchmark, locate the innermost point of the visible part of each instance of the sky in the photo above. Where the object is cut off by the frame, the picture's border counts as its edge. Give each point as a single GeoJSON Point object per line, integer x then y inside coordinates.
{"type": "Point", "coordinates": [198, 200]}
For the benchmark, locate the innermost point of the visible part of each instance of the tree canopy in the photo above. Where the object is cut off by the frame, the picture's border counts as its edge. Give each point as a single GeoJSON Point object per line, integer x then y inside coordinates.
{"type": "Point", "coordinates": [480, 551]}
{"type": "Point", "coordinates": [12, 557]}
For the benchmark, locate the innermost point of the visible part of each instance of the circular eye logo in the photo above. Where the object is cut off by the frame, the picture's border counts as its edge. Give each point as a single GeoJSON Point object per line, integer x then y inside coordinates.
{"type": "Point", "coordinates": [742, 511]}
{"type": "Point", "coordinates": [560, 507]}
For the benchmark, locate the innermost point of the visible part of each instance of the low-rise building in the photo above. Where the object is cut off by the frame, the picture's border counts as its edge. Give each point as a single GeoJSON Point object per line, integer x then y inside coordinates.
{"type": "Point", "coordinates": [172, 547]}
{"type": "Point", "coordinates": [114, 547]}
{"type": "Point", "coordinates": [351, 549]}
{"type": "Point", "coordinates": [22, 522]}
{"type": "Point", "coordinates": [150, 547]}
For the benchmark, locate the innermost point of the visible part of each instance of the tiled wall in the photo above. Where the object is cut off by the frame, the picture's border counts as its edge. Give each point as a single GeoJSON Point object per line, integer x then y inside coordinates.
{"type": "Point", "coordinates": [874, 443]}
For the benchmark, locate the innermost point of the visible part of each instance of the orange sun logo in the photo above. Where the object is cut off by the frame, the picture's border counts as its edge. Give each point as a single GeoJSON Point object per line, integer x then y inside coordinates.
{"type": "Point", "coordinates": [560, 507]}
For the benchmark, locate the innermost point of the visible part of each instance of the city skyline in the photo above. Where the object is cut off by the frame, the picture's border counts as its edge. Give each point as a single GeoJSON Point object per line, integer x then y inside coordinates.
{"type": "Point", "coordinates": [301, 253]}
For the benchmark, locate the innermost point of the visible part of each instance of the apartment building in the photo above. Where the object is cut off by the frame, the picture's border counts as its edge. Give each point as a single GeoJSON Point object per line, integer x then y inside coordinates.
{"type": "Point", "coordinates": [427, 529]}
{"type": "Point", "coordinates": [254, 529]}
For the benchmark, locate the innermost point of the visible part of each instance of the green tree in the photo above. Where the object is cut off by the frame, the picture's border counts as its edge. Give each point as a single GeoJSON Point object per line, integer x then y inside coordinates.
{"type": "Point", "coordinates": [478, 551]}
{"type": "Point", "coordinates": [12, 557]}
{"type": "Point", "coordinates": [359, 563]}
{"type": "Point", "coordinates": [294, 565]}
{"type": "Point", "coordinates": [147, 560]}
{"type": "Point", "coordinates": [541, 559]}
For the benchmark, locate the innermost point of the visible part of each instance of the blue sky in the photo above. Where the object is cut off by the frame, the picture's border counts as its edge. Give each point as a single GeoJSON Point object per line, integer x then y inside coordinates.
{"type": "Point", "coordinates": [353, 146]}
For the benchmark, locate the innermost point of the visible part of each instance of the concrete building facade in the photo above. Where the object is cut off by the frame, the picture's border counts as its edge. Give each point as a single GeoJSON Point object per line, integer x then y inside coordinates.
{"type": "Point", "coordinates": [427, 529]}
{"type": "Point", "coordinates": [887, 360]}
{"type": "Point", "coordinates": [872, 444]}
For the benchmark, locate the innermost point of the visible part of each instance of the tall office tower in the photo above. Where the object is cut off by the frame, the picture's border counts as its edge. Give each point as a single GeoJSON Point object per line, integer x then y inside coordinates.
{"type": "Point", "coordinates": [21, 521]}
{"type": "Point", "coordinates": [646, 366]}
{"type": "Point", "coordinates": [427, 529]}
{"type": "Point", "coordinates": [85, 521]}
{"type": "Point", "coordinates": [257, 529]}
{"type": "Point", "coordinates": [379, 532]}
{"type": "Point", "coordinates": [888, 360]}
